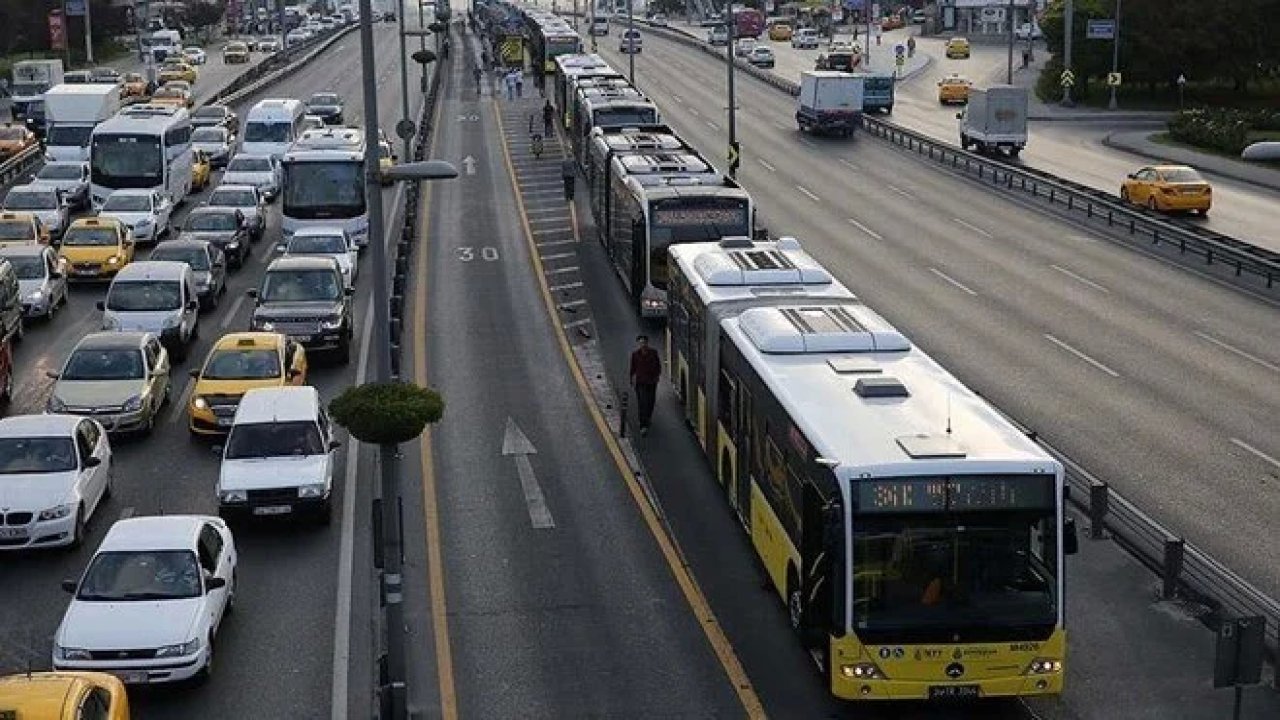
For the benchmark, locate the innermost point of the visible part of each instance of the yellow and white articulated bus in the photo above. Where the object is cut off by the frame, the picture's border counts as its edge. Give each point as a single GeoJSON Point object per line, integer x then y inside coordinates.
{"type": "Point", "coordinates": [915, 535]}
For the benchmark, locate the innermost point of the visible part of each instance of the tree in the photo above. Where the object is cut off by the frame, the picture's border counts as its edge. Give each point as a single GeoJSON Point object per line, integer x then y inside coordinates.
{"type": "Point", "coordinates": [386, 413]}
{"type": "Point", "coordinates": [201, 16]}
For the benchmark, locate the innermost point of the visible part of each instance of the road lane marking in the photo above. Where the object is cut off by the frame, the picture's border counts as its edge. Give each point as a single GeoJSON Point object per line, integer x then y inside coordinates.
{"type": "Point", "coordinates": [231, 312]}
{"type": "Point", "coordinates": [1079, 278]}
{"type": "Point", "coordinates": [952, 280]}
{"type": "Point", "coordinates": [571, 303]}
{"type": "Point", "coordinates": [766, 165]}
{"type": "Point", "coordinates": [554, 243]}
{"type": "Point", "coordinates": [1233, 349]}
{"type": "Point", "coordinates": [515, 444]}
{"type": "Point", "coordinates": [565, 286]}
{"type": "Point", "coordinates": [808, 194]}
{"type": "Point", "coordinates": [694, 111]}
{"type": "Point", "coordinates": [848, 164]}
{"type": "Point", "coordinates": [864, 228]}
{"type": "Point", "coordinates": [1081, 355]}
{"type": "Point", "coordinates": [970, 226]}
{"type": "Point", "coordinates": [563, 270]}
{"type": "Point", "coordinates": [577, 323]}
{"type": "Point", "coordinates": [780, 126]}
{"type": "Point", "coordinates": [180, 405]}
{"type": "Point", "coordinates": [701, 609]}
{"type": "Point", "coordinates": [558, 256]}
{"type": "Point", "coordinates": [1246, 446]}
{"type": "Point", "coordinates": [900, 191]}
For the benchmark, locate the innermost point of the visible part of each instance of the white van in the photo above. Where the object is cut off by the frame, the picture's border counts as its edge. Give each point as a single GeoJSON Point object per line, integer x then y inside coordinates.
{"type": "Point", "coordinates": [272, 125]}
{"type": "Point", "coordinates": [156, 296]}
{"type": "Point", "coordinates": [163, 44]}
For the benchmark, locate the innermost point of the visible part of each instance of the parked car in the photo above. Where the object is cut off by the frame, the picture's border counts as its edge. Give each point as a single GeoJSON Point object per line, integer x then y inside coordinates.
{"type": "Point", "coordinates": [207, 262]}
{"type": "Point", "coordinates": [146, 212]}
{"type": "Point", "coordinates": [43, 201]}
{"type": "Point", "coordinates": [120, 379]}
{"type": "Point", "coordinates": [42, 278]}
{"type": "Point", "coordinates": [761, 56]}
{"type": "Point", "coordinates": [327, 106]}
{"type": "Point", "coordinates": [226, 228]}
{"type": "Point", "coordinates": [247, 200]}
{"type": "Point", "coordinates": [237, 363]}
{"type": "Point", "coordinates": [96, 248]}
{"type": "Point", "coordinates": [1028, 31]}
{"type": "Point", "coordinates": [71, 179]}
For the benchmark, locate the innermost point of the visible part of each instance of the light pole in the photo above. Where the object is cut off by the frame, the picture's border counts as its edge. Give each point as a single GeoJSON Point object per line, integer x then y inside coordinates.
{"type": "Point", "coordinates": [404, 80]}
{"type": "Point", "coordinates": [88, 34]}
{"type": "Point", "coordinates": [1008, 78]}
{"type": "Point", "coordinates": [631, 46]}
{"type": "Point", "coordinates": [1115, 57]}
{"type": "Point", "coordinates": [1068, 21]}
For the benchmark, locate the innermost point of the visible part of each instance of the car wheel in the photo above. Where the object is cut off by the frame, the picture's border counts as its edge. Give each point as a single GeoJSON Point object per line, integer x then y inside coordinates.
{"type": "Point", "coordinates": [231, 595]}
{"type": "Point", "coordinates": [150, 427]}
{"type": "Point", "coordinates": [1152, 205]}
{"type": "Point", "coordinates": [1124, 194]}
{"type": "Point", "coordinates": [77, 537]}
{"type": "Point", "coordinates": [206, 672]}
{"type": "Point", "coordinates": [325, 516]}
{"type": "Point", "coordinates": [344, 350]}
{"type": "Point", "coordinates": [6, 392]}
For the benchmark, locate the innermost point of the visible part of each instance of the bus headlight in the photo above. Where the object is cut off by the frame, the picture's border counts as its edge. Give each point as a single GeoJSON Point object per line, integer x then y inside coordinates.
{"type": "Point", "coordinates": [1044, 666]}
{"type": "Point", "coordinates": [862, 671]}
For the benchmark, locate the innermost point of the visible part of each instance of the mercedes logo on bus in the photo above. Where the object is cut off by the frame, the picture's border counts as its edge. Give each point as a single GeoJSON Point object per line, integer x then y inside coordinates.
{"type": "Point", "coordinates": [955, 670]}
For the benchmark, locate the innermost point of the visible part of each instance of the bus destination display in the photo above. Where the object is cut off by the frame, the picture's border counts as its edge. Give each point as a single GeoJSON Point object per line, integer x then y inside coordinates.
{"type": "Point", "coordinates": [958, 493]}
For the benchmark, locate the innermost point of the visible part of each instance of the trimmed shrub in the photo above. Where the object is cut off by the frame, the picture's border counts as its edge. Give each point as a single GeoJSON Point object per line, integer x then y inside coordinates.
{"type": "Point", "coordinates": [1220, 129]}
{"type": "Point", "coordinates": [386, 413]}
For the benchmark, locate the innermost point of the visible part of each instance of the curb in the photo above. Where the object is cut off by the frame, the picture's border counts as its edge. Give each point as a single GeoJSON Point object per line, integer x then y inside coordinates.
{"type": "Point", "coordinates": [1222, 167]}
{"type": "Point", "coordinates": [1099, 117]}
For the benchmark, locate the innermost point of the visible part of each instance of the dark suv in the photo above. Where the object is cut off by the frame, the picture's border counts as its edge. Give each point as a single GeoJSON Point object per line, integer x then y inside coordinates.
{"type": "Point", "coordinates": [305, 298]}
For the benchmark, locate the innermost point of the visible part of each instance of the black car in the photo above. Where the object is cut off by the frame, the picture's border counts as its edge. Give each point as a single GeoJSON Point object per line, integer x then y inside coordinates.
{"type": "Point", "coordinates": [306, 298]}
{"type": "Point", "coordinates": [326, 106]}
{"type": "Point", "coordinates": [216, 115]}
{"type": "Point", "coordinates": [207, 264]}
{"type": "Point", "coordinates": [224, 228]}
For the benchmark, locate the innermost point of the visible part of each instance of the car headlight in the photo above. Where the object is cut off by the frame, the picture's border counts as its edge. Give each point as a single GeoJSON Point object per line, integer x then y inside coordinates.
{"type": "Point", "coordinates": [56, 405]}
{"type": "Point", "coordinates": [200, 403]}
{"type": "Point", "coordinates": [314, 490]}
{"type": "Point", "coordinates": [233, 244]}
{"type": "Point", "coordinates": [189, 647]}
{"type": "Point", "coordinates": [233, 496]}
{"type": "Point", "coordinates": [133, 404]}
{"type": "Point", "coordinates": [332, 323]}
{"type": "Point", "coordinates": [265, 325]}
{"type": "Point", "coordinates": [70, 653]}
{"type": "Point", "coordinates": [35, 296]}
{"type": "Point", "coordinates": [56, 513]}
{"type": "Point", "coordinates": [113, 260]}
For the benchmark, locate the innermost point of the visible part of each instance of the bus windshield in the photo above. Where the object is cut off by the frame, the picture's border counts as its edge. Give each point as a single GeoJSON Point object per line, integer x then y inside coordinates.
{"type": "Point", "coordinates": [682, 220]}
{"type": "Point", "coordinates": [126, 161]}
{"type": "Point", "coordinates": [321, 190]}
{"type": "Point", "coordinates": [935, 575]}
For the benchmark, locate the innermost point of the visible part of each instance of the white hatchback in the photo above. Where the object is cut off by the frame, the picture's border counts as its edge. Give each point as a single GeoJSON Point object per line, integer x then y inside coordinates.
{"type": "Point", "coordinates": [146, 212]}
{"type": "Point", "coordinates": [149, 606]}
{"type": "Point", "coordinates": [55, 471]}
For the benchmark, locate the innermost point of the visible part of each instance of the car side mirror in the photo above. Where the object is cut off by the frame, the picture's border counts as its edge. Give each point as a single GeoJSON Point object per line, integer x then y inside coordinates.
{"type": "Point", "coordinates": [281, 247]}
{"type": "Point", "coordinates": [69, 586]}
{"type": "Point", "coordinates": [1070, 540]}
{"type": "Point", "coordinates": [1132, 176]}
{"type": "Point", "coordinates": [92, 461]}
{"type": "Point", "coordinates": [100, 305]}
{"type": "Point", "coordinates": [53, 374]}
{"type": "Point", "coordinates": [193, 304]}
{"type": "Point", "coordinates": [194, 372]}
{"type": "Point", "coordinates": [334, 444]}
{"type": "Point", "coordinates": [214, 583]}
{"type": "Point", "coordinates": [252, 292]}
{"type": "Point", "coordinates": [349, 291]}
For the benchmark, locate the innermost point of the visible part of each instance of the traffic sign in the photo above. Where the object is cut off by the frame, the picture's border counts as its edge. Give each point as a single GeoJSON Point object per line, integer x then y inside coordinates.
{"type": "Point", "coordinates": [1100, 30]}
{"type": "Point", "coordinates": [734, 156]}
{"type": "Point", "coordinates": [405, 129]}
{"type": "Point", "coordinates": [1113, 79]}
{"type": "Point", "coordinates": [1067, 79]}
{"type": "Point", "coordinates": [899, 50]}
{"type": "Point", "coordinates": [901, 61]}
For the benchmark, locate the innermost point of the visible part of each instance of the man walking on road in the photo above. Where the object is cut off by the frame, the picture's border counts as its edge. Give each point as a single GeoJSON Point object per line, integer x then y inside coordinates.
{"type": "Point", "coordinates": [646, 369]}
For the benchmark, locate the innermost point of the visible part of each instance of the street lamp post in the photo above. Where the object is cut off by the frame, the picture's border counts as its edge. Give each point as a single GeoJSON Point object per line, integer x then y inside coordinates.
{"type": "Point", "coordinates": [1008, 78]}
{"type": "Point", "coordinates": [733, 99]}
{"type": "Point", "coordinates": [631, 48]}
{"type": "Point", "coordinates": [1115, 56]}
{"type": "Point", "coordinates": [404, 80]}
{"type": "Point", "coordinates": [1068, 20]}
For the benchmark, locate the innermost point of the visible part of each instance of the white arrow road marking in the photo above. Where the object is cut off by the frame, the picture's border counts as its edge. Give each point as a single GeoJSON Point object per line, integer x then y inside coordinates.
{"type": "Point", "coordinates": [469, 163]}
{"type": "Point", "coordinates": [515, 444]}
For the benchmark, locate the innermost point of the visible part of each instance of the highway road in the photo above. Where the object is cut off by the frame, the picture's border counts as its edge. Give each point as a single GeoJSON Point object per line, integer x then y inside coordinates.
{"type": "Point", "coordinates": [275, 656]}
{"type": "Point", "coordinates": [1158, 380]}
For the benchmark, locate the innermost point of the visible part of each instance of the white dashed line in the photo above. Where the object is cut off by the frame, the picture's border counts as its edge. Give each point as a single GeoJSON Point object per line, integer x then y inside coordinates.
{"type": "Point", "coordinates": [766, 165]}
{"type": "Point", "coordinates": [970, 226]}
{"type": "Point", "coordinates": [864, 228]}
{"type": "Point", "coordinates": [558, 256]}
{"type": "Point", "coordinates": [1079, 278]}
{"type": "Point", "coordinates": [808, 194]}
{"type": "Point", "coordinates": [848, 164]}
{"type": "Point", "coordinates": [1246, 446]}
{"type": "Point", "coordinates": [1232, 349]}
{"type": "Point", "coordinates": [711, 125]}
{"type": "Point", "coordinates": [952, 280]}
{"type": "Point", "coordinates": [231, 312]}
{"type": "Point", "coordinates": [1081, 355]}
{"type": "Point", "coordinates": [900, 191]}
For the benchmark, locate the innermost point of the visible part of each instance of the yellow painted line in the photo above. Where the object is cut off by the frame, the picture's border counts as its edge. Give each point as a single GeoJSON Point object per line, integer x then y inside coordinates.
{"type": "Point", "coordinates": [430, 506]}
{"type": "Point", "coordinates": [706, 618]}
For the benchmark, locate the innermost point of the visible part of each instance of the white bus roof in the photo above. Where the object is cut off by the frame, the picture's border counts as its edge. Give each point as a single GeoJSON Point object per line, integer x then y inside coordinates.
{"type": "Point", "coordinates": [330, 143]}
{"type": "Point", "coordinates": [739, 268]}
{"type": "Point", "coordinates": [870, 402]}
{"type": "Point", "coordinates": [144, 119]}
{"type": "Point", "coordinates": [634, 138]}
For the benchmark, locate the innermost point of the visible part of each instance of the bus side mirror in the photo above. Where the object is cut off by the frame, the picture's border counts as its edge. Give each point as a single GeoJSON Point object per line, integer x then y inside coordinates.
{"type": "Point", "coordinates": [1070, 540]}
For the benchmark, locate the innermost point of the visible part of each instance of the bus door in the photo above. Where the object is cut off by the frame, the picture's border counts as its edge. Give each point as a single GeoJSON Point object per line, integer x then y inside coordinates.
{"type": "Point", "coordinates": [743, 438]}
{"type": "Point", "coordinates": [639, 258]}
{"type": "Point", "coordinates": [819, 538]}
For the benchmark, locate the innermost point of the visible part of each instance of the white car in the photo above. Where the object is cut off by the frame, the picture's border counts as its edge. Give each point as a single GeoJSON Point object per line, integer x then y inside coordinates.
{"type": "Point", "coordinates": [247, 200]}
{"type": "Point", "coordinates": [195, 56]}
{"type": "Point", "coordinates": [146, 212]}
{"type": "Point", "coordinates": [331, 242]}
{"type": "Point", "coordinates": [55, 471]}
{"type": "Point", "coordinates": [260, 171]}
{"type": "Point", "coordinates": [1028, 31]}
{"type": "Point", "coordinates": [804, 38]}
{"type": "Point", "coordinates": [43, 201]}
{"type": "Point", "coordinates": [149, 606]}
{"type": "Point", "coordinates": [297, 36]}
{"type": "Point", "coordinates": [216, 142]}
{"type": "Point", "coordinates": [631, 42]}
{"type": "Point", "coordinates": [42, 278]}
{"type": "Point", "coordinates": [268, 44]}
{"type": "Point", "coordinates": [743, 47]}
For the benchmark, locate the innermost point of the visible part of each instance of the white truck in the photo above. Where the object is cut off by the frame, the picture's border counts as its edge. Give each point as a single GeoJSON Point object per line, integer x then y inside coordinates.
{"type": "Point", "coordinates": [31, 78]}
{"type": "Point", "coordinates": [71, 113]}
{"type": "Point", "coordinates": [995, 119]}
{"type": "Point", "coordinates": [830, 101]}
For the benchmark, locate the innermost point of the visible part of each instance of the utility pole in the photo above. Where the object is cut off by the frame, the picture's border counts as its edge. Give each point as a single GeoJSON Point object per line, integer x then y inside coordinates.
{"type": "Point", "coordinates": [1008, 77]}
{"type": "Point", "coordinates": [1067, 38]}
{"type": "Point", "coordinates": [404, 87]}
{"type": "Point", "coordinates": [631, 48]}
{"type": "Point", "coordinates": [1115, 56]}
{"type": "Point", "coordinates": [88, 34]}
{"type": "Point", "coordinates": [733, 98]}
{"type": "Point", "coordinates": [422, 45]}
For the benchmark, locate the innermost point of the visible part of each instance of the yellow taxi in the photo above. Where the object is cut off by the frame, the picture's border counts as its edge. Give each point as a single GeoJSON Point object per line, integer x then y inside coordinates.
{"type": "Point", "coordinates": [135, 85]}
{"type": "Point", "coordinates": [63, 696]}
{"type": "Point", "coordinates": [237, 363]}
{"type": "Point", "coordinates": [178, 71]}
{"type": "Point", "coordinates": [201, 169]}
{"type": "Point", "coordinates": [14, 139]}
{"type": "Point", "coordinates": [1168, 188]}
{"type": "Point", "coordinates": [173, 95]}
{"type": "Point", "coordinates": [19, 228]}
{"type": "Point", "coordinates": [953, 89]}
{"type": "Point", "coordinates": [96, 248]}
{"type": "Point", "coordinates": [780, 32]}
{"type": "Point", "coordinates": [958, 47]}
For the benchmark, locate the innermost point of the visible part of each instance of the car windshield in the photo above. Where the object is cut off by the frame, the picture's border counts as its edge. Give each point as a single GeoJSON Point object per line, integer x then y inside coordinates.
{"type": "Point", "coordinates": [27, 267]}
{"type": "Point", "coordinates": [21, 455]}
{"type": "Point", "coordinates": [141, 575]}
{"type": "Point", "coordinates": [127, 203]}
{"type": "Point", "coordinates": [19, 200]}
{"type": "Point", "coordinates": [324, 99]}
{"type": "Point", "coordinates": [144, 296]}
{"type": "Point", "coordinates": [317, 244]}
{"type": "Point", "coordinates": [68, 135]}
{"type": "Point", "coordinates": [300, 286]}
{"type": "Point", "coordinates": [61, 171]}
{"type": "Point", "coordinates": [232, 198]}
{"type": "Point", "coordinates": [16, 230]}
{"type": "Point", "coordinates": [196, 257]}
{"type": "Point", "coordinates": [104, 364]}
{"type": "Point", "coordinates": [235, 364]}
{"type": "Point", "coordinates": [245, 164]}
{"type": "Point", "coordinates": [1182, 175]}
{"type": "Point", "coordinates": [10, 133]}
{"type": "Point", "coordinates": [211, 222]}
{"type": "Point", "coordinates": [274, 439]}
{"type": "Point", "coordinates": [271, 132]}
{"type": "Point", "coordinates": [90, 237]}
{"type": "Point", "coordinates": [208, 135]}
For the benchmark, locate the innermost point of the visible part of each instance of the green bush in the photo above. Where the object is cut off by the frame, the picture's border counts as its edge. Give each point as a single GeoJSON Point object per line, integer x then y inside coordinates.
{"type": "Point", "coordinates": [1049, 88]}
{"type": "Point", "coordinates": [1221, 129]}
{"type": "Point", "coordinates": [386, 413]}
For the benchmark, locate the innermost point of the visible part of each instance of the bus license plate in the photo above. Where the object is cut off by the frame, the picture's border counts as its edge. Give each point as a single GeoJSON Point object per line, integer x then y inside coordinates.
{"type": "Point", "coordinates": [953, 692]}
{"type": "Point", "coordinates": [272, 510]}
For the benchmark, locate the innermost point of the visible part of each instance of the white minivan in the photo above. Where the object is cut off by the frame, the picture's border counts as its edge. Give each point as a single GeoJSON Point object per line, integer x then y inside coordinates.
{"type": "Point", "coordinates": [272, 125]}
{"type": "Point", "coordinates": [156, 296]}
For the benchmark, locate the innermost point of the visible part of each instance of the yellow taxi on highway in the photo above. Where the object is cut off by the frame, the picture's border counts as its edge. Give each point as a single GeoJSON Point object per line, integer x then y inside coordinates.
{"type": "Point", "coordinates": [953, 89]}
{"type": "Point", "coordinates": [15, 139]}
{"type": "Point", "coordinates": [20, 228]}
{"type": "Point", "coordinates": [96, 248]}
{"type": "Point", "coordinates": [178, 71]}
{"type": "Point", "coordinates": [1168, 188]}
{"type": "Point", "coordinates": [63, 696]}
{"type": "Point", "coordinates": [781, 32]}
{"type": "Point", "coordinates": [201, 170]}
{"type": "Point", "coordinates": [958, 47]}
{"type": "Point", "coordinates": [171, 94]}
{"type": "Point", "coordinates": [237, 363]}
{"type": "Point", "coordinates": [135, 85]}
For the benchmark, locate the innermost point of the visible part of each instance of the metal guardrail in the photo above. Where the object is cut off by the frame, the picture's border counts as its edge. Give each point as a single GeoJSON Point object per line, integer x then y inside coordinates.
{"type": "Point", "coordinates": [271, 69]}
{"type": "Point", "coordinates": [18, 164]}
{"type": "Point", "coordinates": [1213, 247]}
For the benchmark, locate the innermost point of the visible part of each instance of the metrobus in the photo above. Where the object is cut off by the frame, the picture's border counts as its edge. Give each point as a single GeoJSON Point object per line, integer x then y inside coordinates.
{"type": "Point", "coordinates": [570, 69]}
{"type": "Point", "coordinates": [324, 183]}
{"type": "Point", "coordinates": [144, 146]}
{"type": "Point", "coordinates": [607, 108]}
{"type": "Point", "coordinates": [605, 144]}
{"type": "Point", "coordinates": [649, 212]}
{"type": "Point", "coordinates": [915, 536]}
{"type": "Point", "coordinates": [551, 39]}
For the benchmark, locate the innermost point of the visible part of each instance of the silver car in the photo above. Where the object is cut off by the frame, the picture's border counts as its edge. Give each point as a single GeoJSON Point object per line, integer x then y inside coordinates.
{"type": "Point", "coordinates": [260, 171]}
{"type": "Point", "coordinates": [43, 201]}
{"type": "Point", "coordinates": [216, 142]}
{"type": "Point", "coordinates": [247, 200]}
{"type": "Point", "coordinates": [120, 379]}
{"type": "Point", "coordinates": [70, 178]}
{"type": "Point", "coordinates": [208, 265]}
{"type": "Point", "coordinates": [42, 278]}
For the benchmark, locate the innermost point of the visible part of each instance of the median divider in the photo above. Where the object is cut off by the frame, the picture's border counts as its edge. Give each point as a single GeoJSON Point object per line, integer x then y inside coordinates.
{"type": "Point", "coordinates": [274, 67]}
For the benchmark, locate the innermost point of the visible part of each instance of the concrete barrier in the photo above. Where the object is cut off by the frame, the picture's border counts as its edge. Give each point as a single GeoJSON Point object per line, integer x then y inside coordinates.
{"type": "Point", "coordinates": [1262, 151]}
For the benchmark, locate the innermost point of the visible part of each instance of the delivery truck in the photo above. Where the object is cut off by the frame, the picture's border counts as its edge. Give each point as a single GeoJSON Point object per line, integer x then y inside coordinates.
{"type": "Point", "coordinates": [995, 120]}
{"type": "Point", "coordinates": [31, 78]}
{"type": "Point", "coordinates": [830, 102]}
{"type": "Point", "coordinates": [71, 113]}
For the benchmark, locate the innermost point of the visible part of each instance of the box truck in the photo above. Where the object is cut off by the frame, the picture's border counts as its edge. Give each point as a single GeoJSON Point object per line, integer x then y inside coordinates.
{"type": "Point", "coordinates": [31, 78]}
{"type": "Point", "coordinates": [995, 119]}
{"type": "Point", "coordinates": [71, 113]}
{"type": "Point", "coordinates": [830, 101]}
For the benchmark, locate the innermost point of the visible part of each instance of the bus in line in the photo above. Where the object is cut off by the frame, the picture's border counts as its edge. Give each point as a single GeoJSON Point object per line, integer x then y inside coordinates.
{"type": "Point", "coordinates": [608, 108]}
{"type": "Point", "coordinates": [324, 183]}
{"type": "Point", "coordinates": [604, 145]}
{"type": "Point", "coordinates": [914, 535]}
{"type": "Point", "coordinates": [569, 70]}
{"type": "Point", "coordinates": [143, 146]}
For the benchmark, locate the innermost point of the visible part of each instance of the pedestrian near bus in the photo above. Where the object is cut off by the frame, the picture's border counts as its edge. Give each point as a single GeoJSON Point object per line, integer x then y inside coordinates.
{"type": "Point", "coordinates": [568, 173]}
{"type": "Point", "coordinates": [646, 370]}
{"type": "Point", "coordinates": [548, 114]}
{"type": "Point", "coordinates": [519, 76]}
